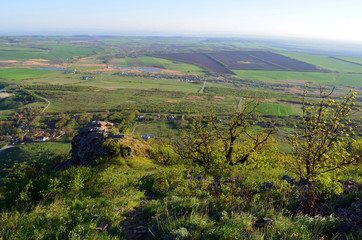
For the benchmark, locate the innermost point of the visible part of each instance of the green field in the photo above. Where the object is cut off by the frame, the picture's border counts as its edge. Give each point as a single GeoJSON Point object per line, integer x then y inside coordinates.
{"type": "Point", "coordinates": [350, 80]}
{"type": "Point", "coordinates": [55, 52]}
{"type": "Point", "coordinates": [324, 61]}
{"type": "Point", "coordinates": [278, 109]}
{"type": "Point", "coordinates": [21, 73]}
{"type": "Point", "coordinates": [355, 60]}
{"type": "Point", "coordinates": [316, 77]}
{"type": "Point", "coordinates": [171, 65]}
{"type": "Point", "coordinates": [158, 129]}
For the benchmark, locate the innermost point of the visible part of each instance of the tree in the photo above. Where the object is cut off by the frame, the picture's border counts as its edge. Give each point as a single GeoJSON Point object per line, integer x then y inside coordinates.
{"type": "Point", "coordinates": [211, 141]}
{"type": "Point", "coordinates": [320, 145]}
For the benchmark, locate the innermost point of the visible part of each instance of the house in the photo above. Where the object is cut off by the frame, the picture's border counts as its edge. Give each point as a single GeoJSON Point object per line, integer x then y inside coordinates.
{"type": "Point", "coordinates": [42, 139]}
{"type": "Point", "coordinates": [87, 77]}
{"type": "Point", "coordinates": [145, 137]}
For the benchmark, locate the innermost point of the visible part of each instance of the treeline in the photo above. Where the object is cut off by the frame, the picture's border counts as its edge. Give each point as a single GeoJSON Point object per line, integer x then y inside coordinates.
{"type": "Point", "coordinates": [58, 87]}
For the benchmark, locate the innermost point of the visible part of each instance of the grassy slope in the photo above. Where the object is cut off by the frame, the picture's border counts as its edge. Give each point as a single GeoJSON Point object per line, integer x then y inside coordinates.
{"type": "Point", "coordinates": [77, 200]}
{"type": "Point", "coordinates": [32, 151]}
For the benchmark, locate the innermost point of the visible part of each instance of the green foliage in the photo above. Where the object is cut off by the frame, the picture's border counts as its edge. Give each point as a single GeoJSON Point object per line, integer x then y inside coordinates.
{"type": "Point", "coordinates": [163, 152]}
{"type": "Point", "coordinates": [112, 146]}
{"type": "Point", "coordinates": [165, 179]}
{"type": "Point", "coordinates": [328, 188]}
{"type": "Point", "coordinates": [180, 233]}
{"type": "Point", "coordinates": [320, 145]}
{"type": "Point", "coordinates": [215, 145]}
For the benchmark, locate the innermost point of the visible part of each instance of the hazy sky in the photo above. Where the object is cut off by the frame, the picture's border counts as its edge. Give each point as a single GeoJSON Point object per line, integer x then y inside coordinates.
{"type": "Point", "coordinates": [330, 19]}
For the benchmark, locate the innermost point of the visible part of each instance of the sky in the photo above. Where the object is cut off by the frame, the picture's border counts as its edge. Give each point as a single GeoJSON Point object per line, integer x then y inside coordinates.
{"type": "Point", "coordinates": [314, 19]}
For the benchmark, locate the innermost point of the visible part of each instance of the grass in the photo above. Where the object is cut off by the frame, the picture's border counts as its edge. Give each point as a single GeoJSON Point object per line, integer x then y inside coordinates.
{"type": "Point", "coordinates": [114, 82]}
{"type": "Point", "coordinates": [55, 52]}
{"type": "Point", "coordinates": [129, 192]}
{"type": "Point", "coordinates": [21, 73]}
{"type": "Point", "coordinates": [278, 109]}
{"type": "Point", "coordinates": [355, 60]}
{"type": "Point", "coordinates": [158, 129]}
{"type": "Point", "coordinates": [350, 80]}
{"type": "Point", "coordinates": [171, 65]}
{"type": "Point", "coordinates": [123, 62]}
{"type": "Point", "coordinates": [32, 151]}
{"type": "Point", "coordinates": [325, 62]}
{"type": "Point", "coordinates": [316, 77]}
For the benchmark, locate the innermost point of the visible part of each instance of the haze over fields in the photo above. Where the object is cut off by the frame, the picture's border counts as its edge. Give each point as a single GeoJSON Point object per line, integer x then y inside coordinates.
{"type": "Point", "coordinates": [321, 19]}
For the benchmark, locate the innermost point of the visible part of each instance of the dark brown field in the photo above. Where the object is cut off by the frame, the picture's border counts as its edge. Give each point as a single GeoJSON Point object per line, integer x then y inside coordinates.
{"type": "Point", "coordinates": [223, 62]}
{"type": "Point", "coordinates": [262, 60]}
{"type": "Point", "coordinates": [202, 60]}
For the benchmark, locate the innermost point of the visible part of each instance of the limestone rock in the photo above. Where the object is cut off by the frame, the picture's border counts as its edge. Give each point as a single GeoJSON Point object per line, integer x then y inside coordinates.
{"type": "Point", "coordinates": [87, 144]}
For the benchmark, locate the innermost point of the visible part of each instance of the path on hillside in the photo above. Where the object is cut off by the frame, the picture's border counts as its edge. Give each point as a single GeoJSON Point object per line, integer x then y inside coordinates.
{"type": "Point", "coordinates": [38, 116]}
{"type": "Point", "coordinates": [134, 128]}
{"type": "Point", "coordinates": [202, 88]}
{"type": "Point", "coordinates": [239, 104]}
{"type": "Point", "coordinates": [7, 147]}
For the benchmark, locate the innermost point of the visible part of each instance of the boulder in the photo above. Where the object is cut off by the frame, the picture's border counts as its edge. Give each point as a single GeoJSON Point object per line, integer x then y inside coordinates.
{"type": "Point", "coordinates": [87, 145]}
{"type": "Point", "coordinates": [263, 222]}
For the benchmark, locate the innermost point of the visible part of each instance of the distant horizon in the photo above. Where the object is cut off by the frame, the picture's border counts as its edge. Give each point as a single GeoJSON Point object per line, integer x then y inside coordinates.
{"type": "Point", "coordinates": [148, 33]}
{"type": "Point", "coordinates": [332, 20]}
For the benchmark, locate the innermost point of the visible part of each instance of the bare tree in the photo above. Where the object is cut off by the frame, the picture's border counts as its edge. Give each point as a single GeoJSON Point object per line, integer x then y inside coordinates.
{"type": "Point", "coordinates": [211, 141]}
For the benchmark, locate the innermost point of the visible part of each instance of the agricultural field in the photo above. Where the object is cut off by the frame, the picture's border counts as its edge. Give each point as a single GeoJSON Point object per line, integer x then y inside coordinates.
{"type": "Point", "coordinates": [183, 67]}
{"type": "Point", "coordinates": [352, 60]}
{"type": "Point", "coordinates": [21, 73]}
{"type": "Point", "coordinates": [199, 59]}
{"type": "Point", "coordinates": [316, 77]}
{"type": "Point", "coordinates": [325, 62]}
{"type": "Point", "coordinates": [46, 52]}
{"type": "Point", "coordinates": [261, 60]}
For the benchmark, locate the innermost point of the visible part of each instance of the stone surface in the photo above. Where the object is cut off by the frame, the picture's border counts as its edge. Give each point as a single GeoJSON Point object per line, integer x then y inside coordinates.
{"type": "Point", "coordinates": [87, 144]}
{"type": "Point", "coordinates": [350, 185]}
{"type": "Point", "coordinates": [351, 216]}
{"type": "Point", "coordinates": [140, 230]}
{"type": "Point", "coordinates": [264, 222]}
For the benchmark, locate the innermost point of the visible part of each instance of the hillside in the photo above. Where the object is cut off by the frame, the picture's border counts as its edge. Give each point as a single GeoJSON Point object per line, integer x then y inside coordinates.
{"type": "Point", "coordinates": [110, 137]}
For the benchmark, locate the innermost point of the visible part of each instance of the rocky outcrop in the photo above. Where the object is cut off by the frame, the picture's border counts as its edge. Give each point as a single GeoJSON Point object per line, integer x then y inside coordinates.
{"type": "Point", "coordinates": [87, 144]}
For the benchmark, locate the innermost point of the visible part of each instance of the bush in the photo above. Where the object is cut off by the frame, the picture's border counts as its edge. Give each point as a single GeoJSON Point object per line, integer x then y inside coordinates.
{"type": "Point", "coordinates": [320, 146]}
